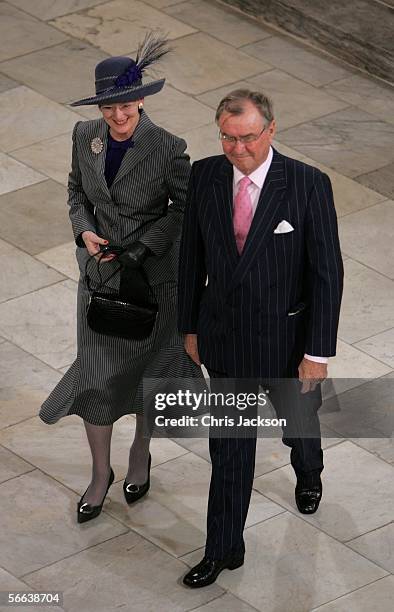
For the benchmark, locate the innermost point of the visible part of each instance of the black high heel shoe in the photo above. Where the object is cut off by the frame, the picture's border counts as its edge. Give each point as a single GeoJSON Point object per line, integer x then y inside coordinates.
{"type": "Point", "coordinates": [132, 492]}
{"type": "Point", "coordinates": [86, 512]}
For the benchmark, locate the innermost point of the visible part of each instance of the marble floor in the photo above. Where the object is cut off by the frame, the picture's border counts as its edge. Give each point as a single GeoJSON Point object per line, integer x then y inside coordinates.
{"type": "Point", "coordinates": [132, 558]}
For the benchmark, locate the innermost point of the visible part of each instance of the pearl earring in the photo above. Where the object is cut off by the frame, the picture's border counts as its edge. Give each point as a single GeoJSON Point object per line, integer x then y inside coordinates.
{"type": "Point", "coordinates": [140, 106]}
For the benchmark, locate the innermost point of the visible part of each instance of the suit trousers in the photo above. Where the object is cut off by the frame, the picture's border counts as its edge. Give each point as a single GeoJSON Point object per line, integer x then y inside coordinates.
{"type": "Point", "coordinates": [233, 459]}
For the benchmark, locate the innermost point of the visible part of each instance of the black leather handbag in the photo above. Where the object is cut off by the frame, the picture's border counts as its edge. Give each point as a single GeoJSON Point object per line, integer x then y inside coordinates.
{"type": "Point", "coordinates": [131, 313]}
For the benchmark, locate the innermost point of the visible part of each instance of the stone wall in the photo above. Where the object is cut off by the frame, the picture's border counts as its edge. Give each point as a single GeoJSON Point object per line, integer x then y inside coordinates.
{"type": "Point", "coordinates": [358, 31]}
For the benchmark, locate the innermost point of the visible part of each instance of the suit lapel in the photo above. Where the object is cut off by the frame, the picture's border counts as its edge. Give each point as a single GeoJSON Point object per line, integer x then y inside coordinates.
{"type": "Point", "coordinates": [99, 158]}
{"type": "Point", "coordinates": [265, 218]}
{"type": "Point", "coordinates": [223, 193]}
{"type": "Point", "coordinates": [146, 138]}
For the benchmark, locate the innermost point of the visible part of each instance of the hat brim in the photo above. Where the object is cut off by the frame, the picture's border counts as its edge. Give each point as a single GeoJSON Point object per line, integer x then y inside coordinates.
{"type": "Point", "coordinates": [124, 94]}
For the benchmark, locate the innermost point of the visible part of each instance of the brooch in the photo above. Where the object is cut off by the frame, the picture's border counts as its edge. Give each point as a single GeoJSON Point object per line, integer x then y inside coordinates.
{"type": "Point", "coordinates": [97, 145]}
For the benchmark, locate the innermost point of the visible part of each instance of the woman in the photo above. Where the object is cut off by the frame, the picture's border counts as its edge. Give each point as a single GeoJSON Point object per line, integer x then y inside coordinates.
{"type": "Point", "coordinates": [124, 171]}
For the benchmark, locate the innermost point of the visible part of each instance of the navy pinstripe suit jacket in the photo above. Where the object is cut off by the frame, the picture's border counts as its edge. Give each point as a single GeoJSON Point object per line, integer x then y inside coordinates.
{"type": "Point", "coordinates": [259, 313]}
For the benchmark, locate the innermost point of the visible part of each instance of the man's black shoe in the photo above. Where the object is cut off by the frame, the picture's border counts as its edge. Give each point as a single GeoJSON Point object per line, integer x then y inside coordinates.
{"type": "Point", "coordinates": [308, 497]}
{"type": "Point", "coordinates": [208, 570]}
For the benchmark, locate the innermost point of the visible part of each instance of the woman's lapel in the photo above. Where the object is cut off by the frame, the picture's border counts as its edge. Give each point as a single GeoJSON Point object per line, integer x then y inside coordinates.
{"type": "Point", "coordinates": [99, 158]}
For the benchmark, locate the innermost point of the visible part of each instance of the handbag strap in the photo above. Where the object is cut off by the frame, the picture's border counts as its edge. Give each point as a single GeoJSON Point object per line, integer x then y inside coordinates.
{"type": "Point", "coordinates": [102, 282]}
{"type": "Point", "coordinates": [134, 286]}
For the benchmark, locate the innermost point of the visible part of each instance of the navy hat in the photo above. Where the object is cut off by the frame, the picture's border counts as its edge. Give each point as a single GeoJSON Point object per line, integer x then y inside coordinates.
{"type": "Point", "coordinates": [119, 79]}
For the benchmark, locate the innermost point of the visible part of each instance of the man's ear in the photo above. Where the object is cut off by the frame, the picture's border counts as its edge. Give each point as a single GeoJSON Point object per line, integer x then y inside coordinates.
{"type": "Point", "coordinates": [272, 128]}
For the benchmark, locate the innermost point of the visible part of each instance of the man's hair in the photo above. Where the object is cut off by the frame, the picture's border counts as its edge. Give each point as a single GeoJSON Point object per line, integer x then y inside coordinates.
{"type": "Point", "coordinates": [234, 103]}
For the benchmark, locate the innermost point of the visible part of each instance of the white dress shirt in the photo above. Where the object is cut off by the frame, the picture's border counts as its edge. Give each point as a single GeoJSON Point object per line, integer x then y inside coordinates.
{"type": "Point", "coordinates": [258, 177]}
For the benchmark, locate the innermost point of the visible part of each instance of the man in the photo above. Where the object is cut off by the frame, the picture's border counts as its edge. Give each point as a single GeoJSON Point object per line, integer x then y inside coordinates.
{"type": "Point", "coordinates": [262, 227]}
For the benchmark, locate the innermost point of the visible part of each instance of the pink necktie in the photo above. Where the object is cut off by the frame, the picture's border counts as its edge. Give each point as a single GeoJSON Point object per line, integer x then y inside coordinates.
{"type": "Point", "coordinates": [243, 213]}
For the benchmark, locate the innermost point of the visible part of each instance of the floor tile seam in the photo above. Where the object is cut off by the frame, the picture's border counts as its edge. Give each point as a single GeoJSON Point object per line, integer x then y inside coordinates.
{"type": "Point", "coordinates": [358, 348]}
{"type": "Point", "coordinates": [144, 536]}
{"type": "Point", "coordinates": [70, 38]}
{"type": "Point", "coordinates": [351, 390]}
{"type": "Point", "coordinates": [289, 464]}
{"type": "Point", "coordinates": [28, 352]}
{"type": "Point", "coordinates": [216, 598]}
{"type": "Point", "coordinates": [127, 21]}
{"type": "Point", "coordinates": [41, 180]}
{"type": "Point", "coordinates": [339, 110]}
{"type": "Point", "coordinates": [193, 129]}
{"type": "Point", "coordinates": [99, 3]}
{"type": "Point", "coordinates": [15, 576]}
{"type": "Point", "coordinates": [4, 61]}
{"type": "Point", "coordinates": [18, 297]}
{"type": "Point", "coordinates": [173, 458]}
{"type": "Point", "coordinates": [2, 429]}
{"type": "Point", "coordinates": [17, 475]}
{"type": "Point", "coordinates": [377, 456]}
{"type": "Point", "coordinates": [348, 542]}
{"type": "Point", "coordinates": [359, 176]}
{"type": "Point", "coordinates": [36, 142]}
{"type": "Point", "coordinates": [192, 96]}
{"type": "Point", "coordinates": [21, 55]}
{"type": "Point", "coordinates": [351, 438]}
{"type": "Point", "coordinates": [191, 451]}
{"type": "Point", "coordinates": [26, 576]}
{"type": "Point", "coordinates": [349, 593]}
{"type": "Point", "coordinates": [67, 277]}
{"type": "Point", "coordinates": [42, 470]}
{"type": "Point", "coordinates": [174, 40]}
{"type": "Point", "coordinates": [386, 87]}
{"type": "Point", "coordinates": [12, 152]}
{"type": "Point", "coordinates": [12, 452]}
{"type": "Point", "coordinates": [294, 513]}
{"type": "Point", "coordinates": [290, 73]}
{"type": "Point", "coordinates": [43, 21]}
{"type": "Point", "coordinates": [349, 107]}
{"type": "Point", "coordinates": [278, 512]}
{"type": "Point", "coordinates": [15, 82]}
{"type": "Point", "coordinates": [355, 212]}
{"type": "Point", "coordinates": [366, 337]}
{"type": "Point", "coordinates": [226, 9]}
{"type": "Point", "coordinates": [43, 473]}
{"type": "Point", "coordinates": [382, 274]}
{"type": "Point", "coordinates": [208, 91]}
{"type": "Point", "coordinates": [36, 182]}
{"type": "Point", "coordinates": [202, 31]}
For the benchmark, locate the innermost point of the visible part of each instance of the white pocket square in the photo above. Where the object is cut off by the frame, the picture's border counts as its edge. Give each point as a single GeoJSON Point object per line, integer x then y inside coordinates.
{"type": "Point", "coordinates": [283, 228]}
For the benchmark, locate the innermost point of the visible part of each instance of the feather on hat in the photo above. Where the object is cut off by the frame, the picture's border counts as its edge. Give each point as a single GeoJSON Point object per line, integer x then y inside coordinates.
{"type": "Point", "coordinates": [119, 79]}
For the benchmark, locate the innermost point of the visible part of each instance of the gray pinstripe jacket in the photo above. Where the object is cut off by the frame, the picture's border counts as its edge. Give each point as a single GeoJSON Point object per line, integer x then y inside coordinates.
{"type": "Point", "coordinates": [136, 207]}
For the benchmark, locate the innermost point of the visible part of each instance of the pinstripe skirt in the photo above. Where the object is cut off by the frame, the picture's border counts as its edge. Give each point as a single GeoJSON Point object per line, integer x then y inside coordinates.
{"type": "Point", "coordinates": [105, 381]}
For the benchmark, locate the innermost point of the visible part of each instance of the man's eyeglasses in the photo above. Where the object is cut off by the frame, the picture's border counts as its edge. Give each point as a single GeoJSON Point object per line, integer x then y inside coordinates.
{"type": "Point", "coordinates": [244, 139]}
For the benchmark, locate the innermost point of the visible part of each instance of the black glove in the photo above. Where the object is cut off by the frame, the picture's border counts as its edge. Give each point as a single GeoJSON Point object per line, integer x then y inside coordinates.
{"type": "Point", "coordinates": [135, 255]}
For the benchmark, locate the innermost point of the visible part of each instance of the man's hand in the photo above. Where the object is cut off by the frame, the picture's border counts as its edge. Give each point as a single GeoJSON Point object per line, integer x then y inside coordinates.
{"type": "Point", "coordinates": [311, 373]}
{"type": "Point", "coordinates": [93, 242]}
{"type": "Point", "coordinates": [191, 348]}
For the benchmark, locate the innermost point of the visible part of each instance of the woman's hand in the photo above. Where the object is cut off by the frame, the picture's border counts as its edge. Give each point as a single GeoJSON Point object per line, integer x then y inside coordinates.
{"type": "Point", "coordinates": [93, 242]}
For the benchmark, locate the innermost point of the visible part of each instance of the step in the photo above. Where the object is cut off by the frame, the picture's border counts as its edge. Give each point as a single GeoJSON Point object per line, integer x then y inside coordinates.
{"type": "Point", "coordinates": [360, 32]}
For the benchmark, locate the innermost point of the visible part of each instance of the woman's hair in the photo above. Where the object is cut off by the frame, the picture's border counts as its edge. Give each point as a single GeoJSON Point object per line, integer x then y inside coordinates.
{"type": "Point", "coordinates": [233, 103]}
